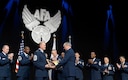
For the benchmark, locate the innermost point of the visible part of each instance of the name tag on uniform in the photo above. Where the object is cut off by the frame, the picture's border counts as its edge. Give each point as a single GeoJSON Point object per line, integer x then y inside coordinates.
{"type": "Point", "coordinates": [125, 66]}
{"type": "Point", "coordinates": [3, 58]}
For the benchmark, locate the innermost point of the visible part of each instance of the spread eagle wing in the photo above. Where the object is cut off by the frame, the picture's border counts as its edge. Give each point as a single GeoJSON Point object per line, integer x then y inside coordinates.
{"type": "Point", "coordinates": [29, 19]}
{"type": "Point", "coordinates": [54, 22]}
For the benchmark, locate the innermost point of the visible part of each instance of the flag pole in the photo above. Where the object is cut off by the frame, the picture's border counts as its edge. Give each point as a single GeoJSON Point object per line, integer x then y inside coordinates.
{"type": "Point", "coordinates": [54, 42]}
{"type": "Point", "coordinates": [20, 50]}
{"type": "Point", "coordinates": [53, 48]}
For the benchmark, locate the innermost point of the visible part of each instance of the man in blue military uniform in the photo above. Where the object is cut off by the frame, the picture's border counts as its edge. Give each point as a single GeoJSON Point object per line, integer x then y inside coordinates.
{"type": "Point", "coordinates": [5, 61]}
{"type": "Point", "coordinates": [107, 69]}
{"type": "Point", "coordinates": [94, 65]}
{"type": "Point", "coordinates": [79, 67]}
{"type": "Point", "coordinates": [24, 64]}
{"type": "Point", "coordinates": [40, 63]}
{"type": "Point", "coordinates": [68, 62]}
{"type": "Point", "coordinates": [123, 68]}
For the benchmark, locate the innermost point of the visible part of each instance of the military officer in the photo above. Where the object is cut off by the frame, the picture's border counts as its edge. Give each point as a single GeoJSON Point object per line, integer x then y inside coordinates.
{"type": "Point", "coordinates": [79, 67]}
{"type": "Point", "coordinates": [68, 62]}
{"type": "Point", "coordinates": [94, 65]}
{"type": "Point", "coordinates": [123, 68]}
{"type": "Point", "coordinates": [24, 64]}
{"type": "Point", "coordinates": [40, 62]}
{"type": "Point", "coordinates": [5, 61]}
{"type": "Point", "coordinates": [107, 69]}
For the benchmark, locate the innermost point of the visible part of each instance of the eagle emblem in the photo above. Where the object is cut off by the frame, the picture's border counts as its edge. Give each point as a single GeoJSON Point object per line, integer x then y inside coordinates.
{"type": "Point", "coordinates": [41, 24]}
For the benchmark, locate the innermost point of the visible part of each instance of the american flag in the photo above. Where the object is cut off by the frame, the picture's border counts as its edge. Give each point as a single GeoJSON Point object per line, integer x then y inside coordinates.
{"type": "Point", "coordinates": [20, 51]}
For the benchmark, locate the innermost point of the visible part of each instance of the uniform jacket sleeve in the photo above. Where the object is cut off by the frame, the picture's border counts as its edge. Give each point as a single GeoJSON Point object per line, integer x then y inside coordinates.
{"type": "Point", "coordinates": [40, 62]}
{"type": "Point", "coordinates": [96, 65]}
{"type": "Point", "coordinates": [24, 61]}
{"type": "Point", "coordinates": [66, 58]}
{"type": "Point", "coordinates": [4, 59]}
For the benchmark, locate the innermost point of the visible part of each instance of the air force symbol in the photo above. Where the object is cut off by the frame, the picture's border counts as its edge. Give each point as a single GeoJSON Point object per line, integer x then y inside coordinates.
{"type": "Point", "coordinates": [41, 32]}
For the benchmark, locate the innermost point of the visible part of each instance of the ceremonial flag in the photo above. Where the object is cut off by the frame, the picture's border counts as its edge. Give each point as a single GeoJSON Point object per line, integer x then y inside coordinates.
{"type": "Point", "coordinates": [20, 50]}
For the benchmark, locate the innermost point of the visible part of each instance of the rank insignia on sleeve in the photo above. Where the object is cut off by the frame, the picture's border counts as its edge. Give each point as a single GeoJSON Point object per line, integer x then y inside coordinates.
{"type": "Point", "coordinates": [35, 58]}
{"type": "Point", "coordinates": [19, 58]}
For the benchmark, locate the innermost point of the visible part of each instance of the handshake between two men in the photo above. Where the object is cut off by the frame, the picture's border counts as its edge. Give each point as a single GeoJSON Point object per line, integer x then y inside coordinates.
{"type": "Point", "coordinates": [51, 64]}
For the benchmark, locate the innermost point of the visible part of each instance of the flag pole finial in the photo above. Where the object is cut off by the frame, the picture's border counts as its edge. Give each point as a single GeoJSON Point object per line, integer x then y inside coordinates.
{"type": "Point", "coordinates": [22, 34]}
{"type": "Point", "coordinates": [69, 38]}
{"type": "Point", "coordinates": [54, 35]}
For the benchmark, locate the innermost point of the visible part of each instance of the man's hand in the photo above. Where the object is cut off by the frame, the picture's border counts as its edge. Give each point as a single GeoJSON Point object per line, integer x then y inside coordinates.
{"type": "Point", "coordinates": [118, 66]}
{"type": "Point", "coordinates": [90, 61]}
{"type": "Point", "coordinates": [31, 57]}
{"type": "Point", "coordinates": [10, 56]}
{"type": "Point", "coordinates": [49, 66]}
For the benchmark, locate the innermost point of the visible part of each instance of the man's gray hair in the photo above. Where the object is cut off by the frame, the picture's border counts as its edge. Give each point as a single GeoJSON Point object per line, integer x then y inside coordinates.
{"type": "Point", "coordinates": [67, 44]}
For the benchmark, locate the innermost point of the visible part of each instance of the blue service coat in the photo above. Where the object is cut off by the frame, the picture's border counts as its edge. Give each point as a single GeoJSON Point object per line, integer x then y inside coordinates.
{"type": "Point", "coordinates": [24, 65]}
{"type": "Point", "coordinates": [124, 71]}
{"type": "Point", "coordinates": [39, 61]}
{"type": "Point", "coordinates": [5, 68]}
{"type": "Point", "coordinates": [95, 69]}
{"type": "Point", "coordinates": [68, 63]}
{"type": "Point", "coordinates": [79, 69]}
{"type": "Point", "coordinates": [110, 74]}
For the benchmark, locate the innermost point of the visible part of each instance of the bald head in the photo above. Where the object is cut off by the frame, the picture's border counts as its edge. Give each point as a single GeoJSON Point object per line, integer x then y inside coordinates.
{"type": "Point", "coordinates": [5, 49]}
{"type": "Point", "coordinates": [42, 45]}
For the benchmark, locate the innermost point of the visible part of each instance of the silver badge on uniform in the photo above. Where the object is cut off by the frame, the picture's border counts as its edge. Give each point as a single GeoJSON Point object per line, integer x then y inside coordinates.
{"type": "Point", "coordinates": [35, 58]}
{"type": "Point", "coordinates": [100, 63]}
{"type": "Point", "coordinates": [109, 68]}
{"type": "Point", "coordinates": [95, 62]}
{"type": "Point", "coordinates": [83, 63]}
{"type": "Point", "coordinates": [19, 58]}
